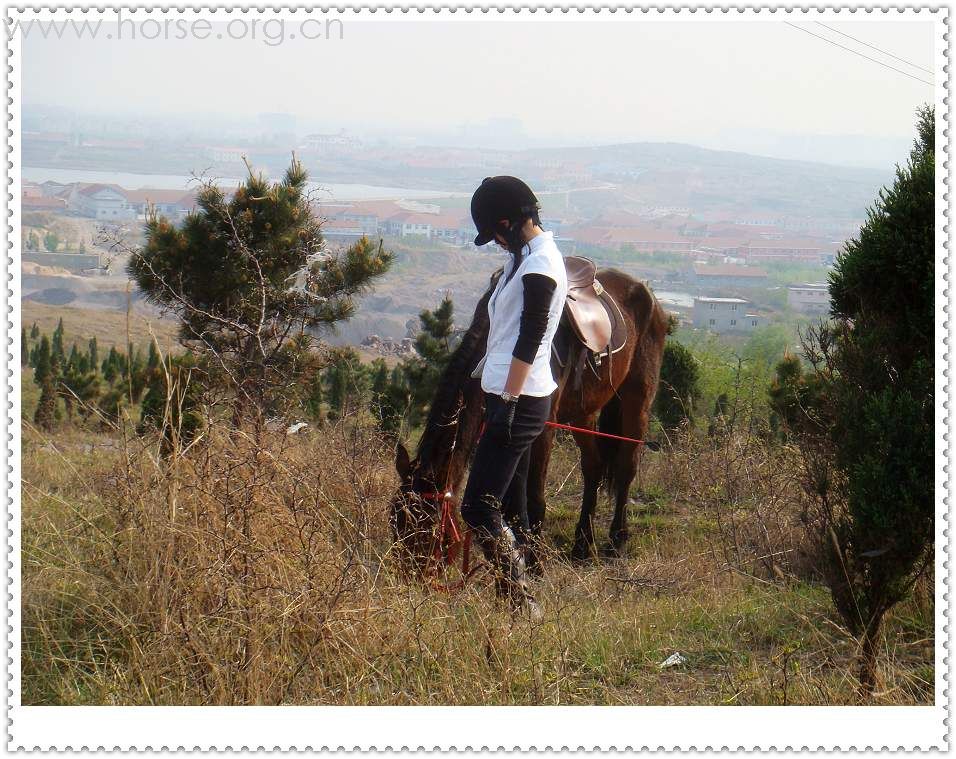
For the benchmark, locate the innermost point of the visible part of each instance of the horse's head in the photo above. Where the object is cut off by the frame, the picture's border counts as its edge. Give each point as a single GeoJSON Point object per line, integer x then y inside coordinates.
{"type": "Point", "coordinates": [414, 511]}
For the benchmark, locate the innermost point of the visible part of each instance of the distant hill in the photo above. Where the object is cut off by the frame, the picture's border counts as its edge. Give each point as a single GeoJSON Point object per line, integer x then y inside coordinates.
{"type": "Point", "coordinates": [715, 182]}
{"type": "Point", "coordinates": [709, 182]}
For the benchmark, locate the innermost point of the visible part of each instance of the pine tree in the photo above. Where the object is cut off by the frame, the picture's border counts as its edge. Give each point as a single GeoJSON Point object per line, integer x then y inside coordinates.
{"type": "Point", "coordinates": [152, 360]}
{"type": "Point", "coordinates": [24, 348]}
{"type": "Point", "coordinates": [46, 377]}
{"type": "Point", "coordinates": [112, 367]}
{"type": "Point", "coordinates": [94, 355]}
{"type": "Point", "coordinates": [868, 441]}
{"type": "Point", "coordinates": [421, 374]}
{"type": "Point", "coordinates": [247, 275]}
{"type": "Point", "coordinates": [42, 360]}
{"type": "Point", "coordinates": [112, 402]}
{"type": "Point", "coordinates": [389, 396]}
{"type": "Point", "coordinates": [137, 374]}
{"type": "Point", "coordinates": [312, 404]}
{"type": "Point", "coordinates": [57, 345]}
{"type": "Point", "coordinates": [679, 389]}
{"type": "Point", "coordinates": [793, 396]}
{"type": "Point", "coordinates": [171, 403]}
{"type": "Point", "coordinates": [348, 383]}
{"type": "Point", "coordinates": [79, 385]}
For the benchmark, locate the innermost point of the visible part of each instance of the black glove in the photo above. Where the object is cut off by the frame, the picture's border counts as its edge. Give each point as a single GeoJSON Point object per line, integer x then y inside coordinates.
{"type": "Point", "coordinates": [501, 416]}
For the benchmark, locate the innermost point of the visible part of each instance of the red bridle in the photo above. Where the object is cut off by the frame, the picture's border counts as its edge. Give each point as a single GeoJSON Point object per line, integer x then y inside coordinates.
{"type": "Point", "coordinates": [448, 530]}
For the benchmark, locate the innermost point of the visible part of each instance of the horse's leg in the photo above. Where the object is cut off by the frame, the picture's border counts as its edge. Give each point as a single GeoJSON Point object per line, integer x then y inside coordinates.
{"type": "Point", "coordinates": [537, 479]}
{"type": "Point", "coordinates": [591, 470]}
{"type": "Point", "coordinates": [635, 418]}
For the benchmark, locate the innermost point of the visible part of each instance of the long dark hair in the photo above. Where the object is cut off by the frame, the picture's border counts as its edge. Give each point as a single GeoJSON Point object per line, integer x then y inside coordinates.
{"type": "Point", "coordinates": [513, 235]}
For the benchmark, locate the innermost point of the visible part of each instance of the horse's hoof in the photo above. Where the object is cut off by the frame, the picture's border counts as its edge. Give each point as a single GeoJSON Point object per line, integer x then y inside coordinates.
{"type": "Point", "coordinates": [582, 552]}
{"type": "Point", "coordinates": [618, 545]}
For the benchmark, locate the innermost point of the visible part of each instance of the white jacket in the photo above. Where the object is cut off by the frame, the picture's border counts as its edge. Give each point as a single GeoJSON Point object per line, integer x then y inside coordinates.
{"type": "Point", "coordinates": [539, 256]}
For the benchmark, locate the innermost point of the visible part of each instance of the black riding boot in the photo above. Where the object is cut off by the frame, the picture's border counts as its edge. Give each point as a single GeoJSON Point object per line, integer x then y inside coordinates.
{"type": "Point", "coordinates": [511, 577]}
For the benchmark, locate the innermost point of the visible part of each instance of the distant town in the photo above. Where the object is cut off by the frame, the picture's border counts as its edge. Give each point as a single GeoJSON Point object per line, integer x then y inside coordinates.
{"type": "Point", "coordinates": [729, 242]}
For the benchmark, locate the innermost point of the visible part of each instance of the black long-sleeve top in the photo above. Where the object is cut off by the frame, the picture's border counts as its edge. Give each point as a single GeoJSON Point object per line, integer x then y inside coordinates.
{"type": "Point", "coordinates": [538, 291]}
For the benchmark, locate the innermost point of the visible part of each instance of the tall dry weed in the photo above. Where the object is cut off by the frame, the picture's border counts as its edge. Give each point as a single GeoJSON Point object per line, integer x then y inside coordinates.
{"type": "Point", "coordinates": [239, 555]}
{"type": "Point", "coordinates": [748, 486]}
{"type": "Point", "coordinates": [256, 567]}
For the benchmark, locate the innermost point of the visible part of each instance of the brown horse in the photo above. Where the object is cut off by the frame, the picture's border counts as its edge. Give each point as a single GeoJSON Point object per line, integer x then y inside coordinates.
{"type": "Point", "coordinates": [616, 398]}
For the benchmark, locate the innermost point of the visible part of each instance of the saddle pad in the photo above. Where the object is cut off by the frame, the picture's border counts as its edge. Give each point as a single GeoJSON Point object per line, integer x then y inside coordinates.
{"type": "Point", "coordinates": [618, 325]}
{"type": "Point", "coordinates": [565, 337]}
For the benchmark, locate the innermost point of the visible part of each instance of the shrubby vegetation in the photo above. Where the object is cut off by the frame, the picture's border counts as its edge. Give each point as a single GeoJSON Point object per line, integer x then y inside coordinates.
{"type": "Point", "coordinates": [783, 530]}
{"type": "Point", "coordinates": [863, 411]}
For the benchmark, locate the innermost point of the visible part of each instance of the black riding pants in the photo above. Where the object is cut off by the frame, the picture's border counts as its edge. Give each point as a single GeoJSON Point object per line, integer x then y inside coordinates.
{"type": "Point", "coordinates": [497, 489]}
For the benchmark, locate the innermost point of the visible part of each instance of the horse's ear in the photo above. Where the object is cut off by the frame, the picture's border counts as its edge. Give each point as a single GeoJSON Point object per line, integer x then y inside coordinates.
{"type": "Point", "coordinates": [403, 464]}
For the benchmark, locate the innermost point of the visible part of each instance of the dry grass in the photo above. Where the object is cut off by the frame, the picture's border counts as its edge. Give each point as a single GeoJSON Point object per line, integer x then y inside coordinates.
{"type": "Point", "coordinates": [259, 571]}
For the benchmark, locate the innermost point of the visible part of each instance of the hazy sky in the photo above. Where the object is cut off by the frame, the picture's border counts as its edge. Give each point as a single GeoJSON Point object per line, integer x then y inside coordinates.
{"type": "Point", "coordinates": [626, 78]}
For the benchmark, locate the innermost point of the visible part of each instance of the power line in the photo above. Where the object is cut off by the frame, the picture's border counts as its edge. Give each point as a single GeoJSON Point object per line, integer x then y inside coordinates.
{"type": "Point", "coordinates": [879, 49]}
{"type": "Point", "coordinates": [857, 52]}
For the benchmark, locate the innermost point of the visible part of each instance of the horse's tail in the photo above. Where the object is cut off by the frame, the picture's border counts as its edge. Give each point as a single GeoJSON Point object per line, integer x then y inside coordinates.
{"type": "Point", "coordinates": [610, 422]}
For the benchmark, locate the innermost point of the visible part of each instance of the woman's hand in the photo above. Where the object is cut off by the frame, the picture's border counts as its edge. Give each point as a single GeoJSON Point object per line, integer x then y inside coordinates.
{"type": "Point", "coordinates": [500, 418]}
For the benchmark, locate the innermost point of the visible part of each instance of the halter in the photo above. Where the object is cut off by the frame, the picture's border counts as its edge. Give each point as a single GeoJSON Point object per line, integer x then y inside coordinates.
{"type": "Point", "coordinates": [448, 528]}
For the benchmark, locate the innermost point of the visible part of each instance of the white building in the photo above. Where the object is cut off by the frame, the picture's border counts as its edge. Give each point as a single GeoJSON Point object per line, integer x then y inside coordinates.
{"type": "Point", "coordinates": [173, 204]}
{"type": "Point", "coordinates": [724, 315]}
{"type": "Point", "coordinates": [100, 201]}
{"type": "Point", "coordinates": [809, 299]}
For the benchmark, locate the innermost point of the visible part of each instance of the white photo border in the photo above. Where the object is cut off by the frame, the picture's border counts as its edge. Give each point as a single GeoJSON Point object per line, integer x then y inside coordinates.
{"type": "Point", "coordinates": [390, 728]}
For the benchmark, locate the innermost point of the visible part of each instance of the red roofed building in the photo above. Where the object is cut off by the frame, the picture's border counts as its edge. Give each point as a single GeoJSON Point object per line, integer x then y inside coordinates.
{"type": "Point", "coordinates": [405, 223]}
{"type": "Point", "coordinates": [762, 251]}
{"type": "Point", "coordinates": [173, 204]}
{"type": "Point", "coordinates": [342, 231]}
{"type": "Point", "coordinates": [727, 275]}
{"type": "Point", "coordinates": [650, 239]}
{"type": "Point", "coordinates": [40, 203]}
{"type": "Point", "coordinates": [644, 239]}
{"type": "Point", "coordinates": [100, 201]}
{"type": "Point", "coordinates": [389, 217]}
{"type": "Point", "coordinates": [453, 226]}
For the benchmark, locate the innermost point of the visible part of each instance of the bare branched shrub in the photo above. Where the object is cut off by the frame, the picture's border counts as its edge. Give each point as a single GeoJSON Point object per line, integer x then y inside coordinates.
{"type": "Point", "coordinates": [749, 485]}
{"type": "Point", "coordinates": [239, 557]}
{"type": "Point", "coordinates": [237, 570]}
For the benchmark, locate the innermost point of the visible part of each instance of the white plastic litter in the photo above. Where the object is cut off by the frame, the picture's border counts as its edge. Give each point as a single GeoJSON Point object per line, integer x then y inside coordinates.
{"type": "Point", "coordinates": [298, 426]}
{"type": "Point", "coordinates": [674, 660]}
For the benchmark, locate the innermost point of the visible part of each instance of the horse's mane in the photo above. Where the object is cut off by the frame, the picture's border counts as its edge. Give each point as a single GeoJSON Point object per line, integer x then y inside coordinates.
{"type": "Point", "coordinates": [447, 403]}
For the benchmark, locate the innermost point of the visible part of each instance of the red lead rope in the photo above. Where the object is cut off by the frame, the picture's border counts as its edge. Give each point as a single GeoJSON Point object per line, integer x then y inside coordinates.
{"type": "Point", "coordinates": [448, 529]}
{"type": "Point", "coordinates": [594, 432]}
{"type": "Point", "coordinates": [450, 535]}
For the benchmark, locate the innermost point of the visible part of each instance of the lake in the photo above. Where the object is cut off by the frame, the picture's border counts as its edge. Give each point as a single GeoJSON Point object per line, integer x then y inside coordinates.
{"type": "Point", "coordinates": [683, 300]}
{"type": "Point", "coordinates": [131, 181]}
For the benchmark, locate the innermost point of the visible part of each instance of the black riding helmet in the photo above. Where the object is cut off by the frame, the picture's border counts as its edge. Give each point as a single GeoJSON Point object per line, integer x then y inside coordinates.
{"type": "Point", "coordinates": [501, 198]}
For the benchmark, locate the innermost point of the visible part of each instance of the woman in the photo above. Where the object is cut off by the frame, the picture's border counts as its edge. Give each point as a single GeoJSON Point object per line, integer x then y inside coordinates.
{"type": "Point", "coordinates": [524, 311]}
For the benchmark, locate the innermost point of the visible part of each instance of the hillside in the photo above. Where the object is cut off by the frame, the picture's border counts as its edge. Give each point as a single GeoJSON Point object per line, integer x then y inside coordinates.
{"type": "Point", "coordinates": [108, 326]}
{"type": "Point", "coordinates": [707, 181]}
